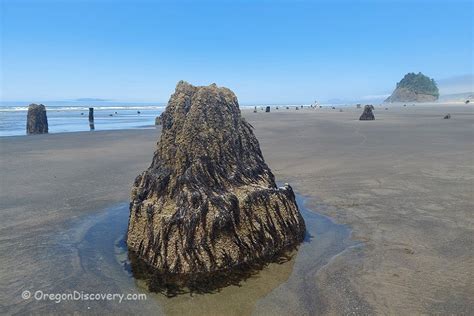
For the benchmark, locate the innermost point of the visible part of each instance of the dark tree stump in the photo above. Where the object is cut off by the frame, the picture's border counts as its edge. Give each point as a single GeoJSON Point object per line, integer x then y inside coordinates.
{"type": "Point", "coordinates": [36, 121]}
{"type": "Point", "coordinates": [367, 115]}
{"type": "Point", "coordinates": [91, 119]}
{"type": "Point", "coordinates": [208, 203]}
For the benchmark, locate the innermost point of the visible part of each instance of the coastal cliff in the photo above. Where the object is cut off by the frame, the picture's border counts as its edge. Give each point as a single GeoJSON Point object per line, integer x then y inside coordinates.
{"type": "Point", "coordinates": [208, 203]}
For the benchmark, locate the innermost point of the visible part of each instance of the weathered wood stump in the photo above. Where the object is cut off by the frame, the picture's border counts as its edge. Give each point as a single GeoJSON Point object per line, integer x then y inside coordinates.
{"type": "Point", "coordinates": [36, 120]}
{"type": "Point", "coordinates": [208, 204]}
{"type": "Point", "coordinates": [368, 114]}
{"type": "Point", "coordinates": [91, 119]}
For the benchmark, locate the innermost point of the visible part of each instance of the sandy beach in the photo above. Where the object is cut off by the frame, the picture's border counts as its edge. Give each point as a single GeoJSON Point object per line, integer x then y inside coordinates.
{"type": "Point", "coordinates": [402, 183]}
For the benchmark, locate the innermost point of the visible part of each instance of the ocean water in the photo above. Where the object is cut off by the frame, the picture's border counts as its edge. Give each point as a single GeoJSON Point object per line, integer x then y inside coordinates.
{"type": "Point", "coordinates": [74, 116]}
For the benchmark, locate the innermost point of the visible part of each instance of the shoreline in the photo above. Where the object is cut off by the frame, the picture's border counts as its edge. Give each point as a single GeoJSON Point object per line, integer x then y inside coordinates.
{"type": "Point", "coordinates": [144, 127]}
{"type": "Point", "coordinates": [401, 182]}
{"type": "Point", "coordinates": [84, 128]}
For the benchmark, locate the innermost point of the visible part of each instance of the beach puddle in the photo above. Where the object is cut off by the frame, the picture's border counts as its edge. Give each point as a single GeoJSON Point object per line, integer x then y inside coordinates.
{"type": "Point", "coordinates": [288, 287]}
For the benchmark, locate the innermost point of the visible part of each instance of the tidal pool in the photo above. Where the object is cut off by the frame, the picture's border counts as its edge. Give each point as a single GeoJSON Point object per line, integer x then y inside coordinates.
{"type": "Point", "coordinates": [94, 248]}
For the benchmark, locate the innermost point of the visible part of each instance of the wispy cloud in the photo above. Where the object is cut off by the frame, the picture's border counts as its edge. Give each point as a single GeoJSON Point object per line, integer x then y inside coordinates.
{"type": "Point", "coordinates": [456, 84]}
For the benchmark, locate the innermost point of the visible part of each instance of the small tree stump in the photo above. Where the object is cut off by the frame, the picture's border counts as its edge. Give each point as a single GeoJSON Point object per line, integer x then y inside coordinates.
{"type": "Point", "coordinates": [91, 119]}
{"type": "Point", "coordinates": [367, 115]}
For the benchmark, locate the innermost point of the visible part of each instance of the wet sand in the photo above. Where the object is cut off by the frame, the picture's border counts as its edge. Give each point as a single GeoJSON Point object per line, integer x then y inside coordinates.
{"type": "Point", "coordinates": [404, 184]}
{"type": "Point", "coordinates": [103, 259]}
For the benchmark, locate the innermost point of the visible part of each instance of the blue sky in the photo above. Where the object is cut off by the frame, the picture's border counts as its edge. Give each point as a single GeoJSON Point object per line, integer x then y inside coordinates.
{"type": "Point", "coordinates": [266, 51]}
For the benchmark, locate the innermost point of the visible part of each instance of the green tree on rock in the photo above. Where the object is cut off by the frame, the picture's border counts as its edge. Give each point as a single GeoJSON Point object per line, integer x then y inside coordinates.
{"type": "Point", "coordinates": [419, 83]}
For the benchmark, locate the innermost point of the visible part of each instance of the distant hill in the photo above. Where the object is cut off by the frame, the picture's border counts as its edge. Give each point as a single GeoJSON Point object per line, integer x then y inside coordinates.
{"type": "Point", "coordinates": [415, 88]}
{"type": "Point", "coordinates": [91, 100]}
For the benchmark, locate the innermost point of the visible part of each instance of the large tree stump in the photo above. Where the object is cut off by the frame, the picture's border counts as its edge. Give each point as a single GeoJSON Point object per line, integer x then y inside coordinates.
{"type": "Point", "coordinates": [208, 203]}
{"type": "Point", "coordinates": [36, 121]}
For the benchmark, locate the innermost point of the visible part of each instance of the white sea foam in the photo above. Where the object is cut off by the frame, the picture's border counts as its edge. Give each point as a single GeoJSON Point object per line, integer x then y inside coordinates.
{"type": "Point", "coordinates": [82, 108]}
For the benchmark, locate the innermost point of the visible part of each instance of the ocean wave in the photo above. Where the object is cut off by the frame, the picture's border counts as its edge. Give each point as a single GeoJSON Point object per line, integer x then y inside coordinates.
{"type": "Point", "coordinates": [83, 108]}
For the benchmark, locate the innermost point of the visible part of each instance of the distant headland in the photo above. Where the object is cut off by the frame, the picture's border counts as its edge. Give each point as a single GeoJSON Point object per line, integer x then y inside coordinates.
{"type": "Point", "coordinates": [91, 100]}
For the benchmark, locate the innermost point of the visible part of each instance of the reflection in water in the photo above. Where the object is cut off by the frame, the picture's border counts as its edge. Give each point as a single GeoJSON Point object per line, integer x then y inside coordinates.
{"type": "Point", "coordinates": [231, 300]}
{"type": "Point", "coordinates": [202, 283]}
{"type": "Point", "coordinates": [93, 255]}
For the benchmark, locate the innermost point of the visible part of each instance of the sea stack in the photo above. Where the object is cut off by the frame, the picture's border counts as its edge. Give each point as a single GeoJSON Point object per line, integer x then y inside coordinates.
{"type": "Point", "coordinates": [36, 120]}
{"type": "Point", "coordinates": [415, 88]}
{"type": "Point", "coordinates": [367, 115]}
{"type": "Point", "coordinates": [208, 204]}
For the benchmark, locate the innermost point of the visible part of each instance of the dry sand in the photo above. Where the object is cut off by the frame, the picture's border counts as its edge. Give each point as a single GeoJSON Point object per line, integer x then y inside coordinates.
{"type": "Point", "coordinates": [404, 183]}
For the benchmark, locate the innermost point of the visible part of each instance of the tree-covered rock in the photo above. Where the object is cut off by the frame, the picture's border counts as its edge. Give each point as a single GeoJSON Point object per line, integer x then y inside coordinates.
{"type": "Point", "coordinates": [415, 88]}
